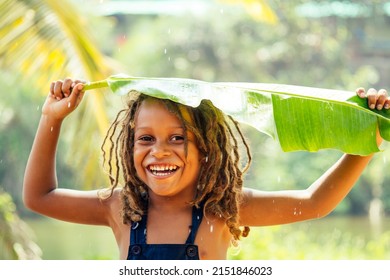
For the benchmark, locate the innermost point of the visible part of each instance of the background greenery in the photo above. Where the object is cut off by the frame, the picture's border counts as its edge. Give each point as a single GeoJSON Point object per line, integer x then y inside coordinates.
{"type": "Point", "coordinates": [329, 44]}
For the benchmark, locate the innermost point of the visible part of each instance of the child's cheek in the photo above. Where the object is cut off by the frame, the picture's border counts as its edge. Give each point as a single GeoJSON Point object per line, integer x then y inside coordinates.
{"type": "Point", "coordinates": [138, 159]}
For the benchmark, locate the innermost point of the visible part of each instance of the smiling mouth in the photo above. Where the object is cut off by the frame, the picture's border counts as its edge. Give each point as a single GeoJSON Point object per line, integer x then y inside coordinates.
{"type": "Point", "coordinates": [162, 170]}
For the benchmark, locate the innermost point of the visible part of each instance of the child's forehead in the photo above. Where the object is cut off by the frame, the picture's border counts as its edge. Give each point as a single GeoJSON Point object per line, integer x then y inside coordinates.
{"type": "Point", "coordinates": [175, 109]}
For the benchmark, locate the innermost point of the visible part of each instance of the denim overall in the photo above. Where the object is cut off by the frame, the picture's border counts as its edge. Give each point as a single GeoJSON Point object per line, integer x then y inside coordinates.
{"type": "Point", "coordinates": [139, 250]}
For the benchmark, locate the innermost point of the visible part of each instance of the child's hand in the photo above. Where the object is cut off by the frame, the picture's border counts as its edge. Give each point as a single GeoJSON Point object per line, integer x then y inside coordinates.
{"type": "Point", "coordinates": [376, 99]}
{"type": "Point", "coordinates": [63, 98]}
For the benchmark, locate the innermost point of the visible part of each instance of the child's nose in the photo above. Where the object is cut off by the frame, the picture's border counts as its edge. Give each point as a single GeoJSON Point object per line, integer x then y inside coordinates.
{"type": "Point", "coordinates": [160, 150]}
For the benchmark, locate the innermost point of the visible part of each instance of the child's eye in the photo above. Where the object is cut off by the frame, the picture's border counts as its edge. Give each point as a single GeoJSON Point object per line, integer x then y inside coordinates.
{"type": "Point", "coordinates": [177, 139]}
{"type": "Point", "coordinates": [145, 139]}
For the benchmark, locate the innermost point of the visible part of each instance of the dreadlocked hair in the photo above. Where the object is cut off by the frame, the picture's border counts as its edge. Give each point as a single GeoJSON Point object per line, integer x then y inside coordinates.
{"type": "Point", "coordinates": [220, 180]}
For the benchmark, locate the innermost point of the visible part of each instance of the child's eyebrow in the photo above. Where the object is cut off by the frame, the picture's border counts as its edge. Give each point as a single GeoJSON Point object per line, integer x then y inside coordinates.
{"type": "Point", "coordinates": [148, 127]}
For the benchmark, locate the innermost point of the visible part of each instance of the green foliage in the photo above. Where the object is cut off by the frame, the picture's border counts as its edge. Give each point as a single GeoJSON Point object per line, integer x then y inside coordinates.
{"type": "Point", "coordinates": [300, 243]}
{"type": "Point", "coordinates": [231, 46]}
{"type": "Point", "coordinates": [332, 238]}
{"type": "Point", "coordinates": [44, 41]}
{"type": "Point", "coordinates": [78, 242]}
{"type": "Point", "coordinates": [15, 236]}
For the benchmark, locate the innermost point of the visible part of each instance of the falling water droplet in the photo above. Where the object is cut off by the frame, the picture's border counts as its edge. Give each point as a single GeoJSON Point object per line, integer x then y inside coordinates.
{"type": "Point", "coordinates": [38, 108]}
{"type": "Point", "coordinates": [51, 129]}
{"type": "Point", "coordinates": [68, 104]}
{"type": "Point", "coordinates": [165, 51]}
{"type": "Point", "coordinates": [211, 228]}
{"type": "Point", "coordinates": [221, 11]}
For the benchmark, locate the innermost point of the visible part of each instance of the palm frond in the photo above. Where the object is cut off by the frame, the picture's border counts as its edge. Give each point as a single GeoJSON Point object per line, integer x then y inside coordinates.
{"type": "Point", "coordinates": [43, 41]}
{"type": "Point", "coordinates": [302, 118]}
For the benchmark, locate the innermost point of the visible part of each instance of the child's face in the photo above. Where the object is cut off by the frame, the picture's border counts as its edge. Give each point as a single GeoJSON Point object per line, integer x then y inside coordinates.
{"type": "Point", "coordinates": [159, 152]}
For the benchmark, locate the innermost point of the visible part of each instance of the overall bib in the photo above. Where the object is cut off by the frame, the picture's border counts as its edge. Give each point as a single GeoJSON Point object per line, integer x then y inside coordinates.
{"type": "Point", "coordinates": [140, 250]}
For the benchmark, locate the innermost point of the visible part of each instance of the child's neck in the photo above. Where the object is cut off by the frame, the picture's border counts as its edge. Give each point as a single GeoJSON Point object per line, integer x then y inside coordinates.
{"type": "Point", "coordinates": [168, 204]}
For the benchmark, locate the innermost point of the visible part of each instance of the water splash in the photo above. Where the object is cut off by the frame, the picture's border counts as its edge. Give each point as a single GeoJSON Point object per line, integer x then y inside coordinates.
{"type": "Point", "coordinates": [235, 248]}
{"type": "Point", "coordinates": [297, 212]}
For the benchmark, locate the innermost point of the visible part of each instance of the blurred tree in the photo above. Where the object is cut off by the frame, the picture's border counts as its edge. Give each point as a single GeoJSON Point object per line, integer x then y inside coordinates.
{"type": "Point", "coordinates": [260, 10]}
{"type": "Point", "coordinates": [41, 41]}
{"type": "Point", "coordinates": [15, 236]}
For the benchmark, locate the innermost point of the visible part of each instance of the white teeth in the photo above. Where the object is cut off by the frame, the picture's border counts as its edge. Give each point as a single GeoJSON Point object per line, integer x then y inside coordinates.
{"type": "Point", "coordinates": [163, 167]}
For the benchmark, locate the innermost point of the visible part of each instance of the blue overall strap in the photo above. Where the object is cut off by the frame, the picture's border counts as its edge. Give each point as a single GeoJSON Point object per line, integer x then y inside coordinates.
{"type": "Point", "coordinates": [197, 216]}
{"type": "Point", "coordinates": [138, 231]}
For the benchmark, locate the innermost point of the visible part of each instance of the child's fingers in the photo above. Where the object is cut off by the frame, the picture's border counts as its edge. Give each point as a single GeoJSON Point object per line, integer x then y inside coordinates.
{"type": "Point", "coordinates": [76, 95]}
{"type": "Point", "coordinates": [372, 97]}
{"type": "Point", "coordinates": [375, 99]}
{"type": "Point", "coordinates": [387, 103]}
{"type": "Point", "coordinates": [67, 87]}
{"type": "Point", "coordinates": [57, 90]}
{"type": "Point", "coordinates": [361, 92]}
{"type": "Point", "coordinates": [381, 99]}
{"type": "Point", "coordinates": [75, 82]}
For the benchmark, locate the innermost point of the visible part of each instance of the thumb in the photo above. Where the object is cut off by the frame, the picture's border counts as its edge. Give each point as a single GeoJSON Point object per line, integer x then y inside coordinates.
{"type": "Point", "coordinates": [76, 96]}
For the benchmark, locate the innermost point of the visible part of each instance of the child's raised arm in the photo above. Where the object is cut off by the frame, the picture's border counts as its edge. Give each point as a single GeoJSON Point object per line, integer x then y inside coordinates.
{"type": "Point", "coordinates": [40, 192]}
{"type": "Point", "coordinates": [280, 207]}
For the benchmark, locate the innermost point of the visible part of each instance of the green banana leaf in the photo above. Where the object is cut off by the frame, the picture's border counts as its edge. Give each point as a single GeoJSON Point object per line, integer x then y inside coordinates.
{"type": "Point", "coordinates": [301, 118]}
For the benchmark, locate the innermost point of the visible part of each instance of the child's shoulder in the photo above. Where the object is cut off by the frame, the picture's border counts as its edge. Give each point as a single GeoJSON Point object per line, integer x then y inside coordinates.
{"type": "Point", "coordinates": [110, 197]}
